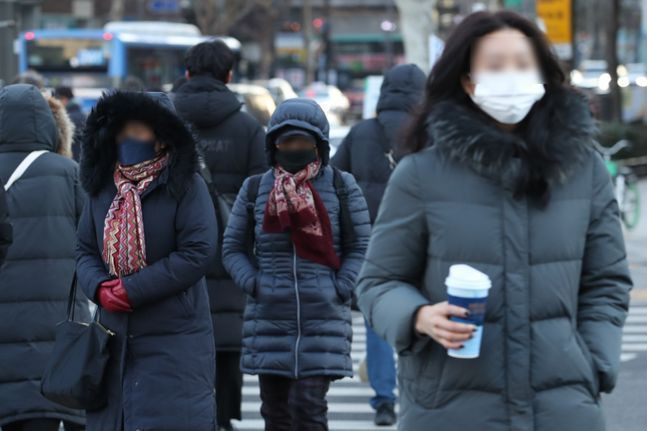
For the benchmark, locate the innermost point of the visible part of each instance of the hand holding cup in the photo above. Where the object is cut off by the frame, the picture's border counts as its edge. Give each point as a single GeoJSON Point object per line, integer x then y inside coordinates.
{"type": "Point", "coordinates": [434, 321]}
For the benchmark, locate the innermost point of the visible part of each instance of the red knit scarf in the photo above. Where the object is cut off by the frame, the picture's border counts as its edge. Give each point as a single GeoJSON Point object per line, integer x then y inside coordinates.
{"type": "Point", "coordinates": [124, 245]}
{"type": "Point", "coordinates": [295, 205]}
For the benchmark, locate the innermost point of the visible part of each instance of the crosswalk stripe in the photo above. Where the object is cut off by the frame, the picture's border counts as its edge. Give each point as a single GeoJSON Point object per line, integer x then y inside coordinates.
{"type": "Point", "coordinates": [333, 425]}
{"type": "Point", "coordinates": [634, 338]}
{"type": "Point", "coordinates": [636, 347]}
{"type": "Point", "coordinates": [337, 407]}
{"type": "Point", "coordinates": [335, 391]}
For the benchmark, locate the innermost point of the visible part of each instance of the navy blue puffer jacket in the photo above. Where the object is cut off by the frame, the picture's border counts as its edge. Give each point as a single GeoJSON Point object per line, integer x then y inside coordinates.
{"type": "Point", "coordinates": [298, 317]}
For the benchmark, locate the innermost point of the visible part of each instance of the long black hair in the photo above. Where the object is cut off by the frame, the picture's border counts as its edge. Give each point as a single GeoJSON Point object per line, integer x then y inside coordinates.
{"type": "Point", "coordinates": [445, 80]}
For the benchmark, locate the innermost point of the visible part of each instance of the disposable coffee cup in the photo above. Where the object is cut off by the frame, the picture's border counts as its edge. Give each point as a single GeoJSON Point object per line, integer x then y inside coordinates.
{"type": "Point", "coordinates": [468, 288]}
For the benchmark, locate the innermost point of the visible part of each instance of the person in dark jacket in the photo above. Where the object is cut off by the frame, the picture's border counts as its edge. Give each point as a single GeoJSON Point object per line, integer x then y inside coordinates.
{"type": "Point", "coordinates": [66, 96]}
{"type": "Point", "coordinates": [6, 230]}
{"type": "Point", "coordinates": [513, 188]}
{"type": "Point", "coordinates": [146, 239]}
{"type": "Point", "coordinates": [45, 205]}
{"type": "Point", "coordinates": [231, 143]}
{"type": "Point", "coordinates": [297, 330]}
{"type": "Point", "coordinates": [368, 152]}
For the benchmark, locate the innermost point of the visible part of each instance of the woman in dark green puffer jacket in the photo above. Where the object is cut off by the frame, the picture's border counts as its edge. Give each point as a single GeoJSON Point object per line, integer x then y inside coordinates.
{"type": "Point", "coordinates": [511, 187]}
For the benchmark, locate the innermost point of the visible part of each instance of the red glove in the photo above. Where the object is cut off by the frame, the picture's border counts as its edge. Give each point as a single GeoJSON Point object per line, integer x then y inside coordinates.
{"type": "Point", "coordinates": [113, 297]}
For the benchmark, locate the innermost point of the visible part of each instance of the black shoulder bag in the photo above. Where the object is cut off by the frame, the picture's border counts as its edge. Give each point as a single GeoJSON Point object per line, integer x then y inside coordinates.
{"type": "Point", "coordinates": [74, 375]}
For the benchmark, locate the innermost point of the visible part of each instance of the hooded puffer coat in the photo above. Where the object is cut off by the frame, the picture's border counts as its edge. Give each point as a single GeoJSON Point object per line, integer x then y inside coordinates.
{"type": "Point", "coordinates": [297, 319]}
{"type": "Point", "coordinates": [45, 205]}
{"type": "Point", "coordinates": [560, 281]}
{"type": "Point", "coordinates": [161, 370]}
{"type": "Point", "coordinates": [231, 142]}
{"type": "Point", "coordinates": [366, 150]}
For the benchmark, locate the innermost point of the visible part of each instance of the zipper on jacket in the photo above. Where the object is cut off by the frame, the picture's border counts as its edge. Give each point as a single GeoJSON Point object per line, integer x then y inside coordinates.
{"type": "Point", "coordinates": [296, 294]}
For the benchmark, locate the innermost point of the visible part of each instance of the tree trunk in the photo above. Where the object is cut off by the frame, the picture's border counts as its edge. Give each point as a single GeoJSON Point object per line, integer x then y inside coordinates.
{"type": "Point", "coordinates": [417, 25]}
{"type": "Point", "coordinates": [267, 32]}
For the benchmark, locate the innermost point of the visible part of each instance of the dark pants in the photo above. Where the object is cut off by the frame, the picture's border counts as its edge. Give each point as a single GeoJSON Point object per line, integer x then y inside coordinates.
{"type": "Point", "coordinates": [229, 387]}
{"type": "Point", "coordinates": [33, 425]}
{"type": "Point", "coordinates": [294, 405]}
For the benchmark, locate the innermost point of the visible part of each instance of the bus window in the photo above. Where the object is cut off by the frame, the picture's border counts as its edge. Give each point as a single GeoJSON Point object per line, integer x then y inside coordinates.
{"type": "Point", "coordinates": [67, 55]}
{"type": "Point", "coordinates": [156, 65]}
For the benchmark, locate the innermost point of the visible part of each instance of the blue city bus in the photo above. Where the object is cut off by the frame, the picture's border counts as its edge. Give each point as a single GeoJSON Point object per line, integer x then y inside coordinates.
{"type": "Point", "coordinates": [93, 60]}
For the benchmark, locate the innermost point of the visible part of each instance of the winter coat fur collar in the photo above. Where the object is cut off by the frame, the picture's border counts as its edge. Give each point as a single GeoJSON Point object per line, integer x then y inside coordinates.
{"type": "Point", "coordinates": [99, 153]}
{"type": "Point", "coordinates": [555, 138]}
{"type": "Point", "coordinates": [64, 127]}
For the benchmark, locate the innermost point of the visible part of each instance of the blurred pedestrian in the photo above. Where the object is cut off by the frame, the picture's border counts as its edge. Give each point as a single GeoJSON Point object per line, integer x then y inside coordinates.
{"type": "Point", "coordinates": [513, 188]}
{"type": "Point", "coordinates": [45, 203]}
{"type": "Point", "coordinates": [310, 226]}
{"type": "Point", "coordinates": [30, 77]}
{"type": "Point", "coordinates": [6, 231]}
{"type": "Point", "coordinates": [368, 152]}
{"type": "Point", "coordinates": [75, 112]}
{"type": "Point", "coordinates": [232, 146]}
{"type": "Point", "coordinates": [146, 238]}
{"type": "Point", "coordinates": [132, 83]}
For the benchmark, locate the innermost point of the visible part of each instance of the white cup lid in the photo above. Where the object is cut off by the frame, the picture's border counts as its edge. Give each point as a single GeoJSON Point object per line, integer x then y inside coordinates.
{"type": "Point", "coordinates": [466, 277]}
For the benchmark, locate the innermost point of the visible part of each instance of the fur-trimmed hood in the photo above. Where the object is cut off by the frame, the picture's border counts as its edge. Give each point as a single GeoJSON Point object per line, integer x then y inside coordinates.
{"type": "Point", "coordinates": [106, 120]}
{"type": "Point", "coordinates": [64, 127]}
{"type": "Point", "coordinates": [555, 138]}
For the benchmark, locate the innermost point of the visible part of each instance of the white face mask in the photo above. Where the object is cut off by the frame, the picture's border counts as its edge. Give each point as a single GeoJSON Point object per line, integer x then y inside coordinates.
{"type": "Point", "coordinates": [507, 97]}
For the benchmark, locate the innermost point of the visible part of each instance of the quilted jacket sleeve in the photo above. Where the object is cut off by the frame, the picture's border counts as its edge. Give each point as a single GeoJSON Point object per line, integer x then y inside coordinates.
{"type": "Point", "coordinates": [354, 256]}
{"type": "Point", "coordinates": [90, 268]}
{"type": "Point", "coordinates": [395, 260]}
{"type": "Point", "coordinates": [196, 237]}
{"type": "Point", "coordinates": [235, 255]}
{"type": "Point", "coordinates": [605, 283]}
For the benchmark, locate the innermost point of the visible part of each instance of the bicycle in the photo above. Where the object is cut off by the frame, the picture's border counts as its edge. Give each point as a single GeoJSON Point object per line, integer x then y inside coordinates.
{"type": "Point", "coordinates": [625, 184]}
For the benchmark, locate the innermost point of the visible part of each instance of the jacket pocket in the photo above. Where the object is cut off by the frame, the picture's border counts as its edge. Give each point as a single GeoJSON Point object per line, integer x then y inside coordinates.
{"type": "Point", "coordinates": [344, 295]}
{"type": "Point", "coordinates": [594, 383]}
{"type": "Point", "coordinates": [420, 376]}
{"type": "Point", "coordinates": [252, 287]}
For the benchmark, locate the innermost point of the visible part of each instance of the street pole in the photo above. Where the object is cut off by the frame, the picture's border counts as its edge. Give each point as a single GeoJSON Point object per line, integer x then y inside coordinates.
{"type": "Point", "coordinates": [8, 33]}
{"type": "Point", "coordinates": [327, 42]}
{"type": "Point", "coordinates": [612, 60]}
{"type": "Point", "coordinates": [573, 63]}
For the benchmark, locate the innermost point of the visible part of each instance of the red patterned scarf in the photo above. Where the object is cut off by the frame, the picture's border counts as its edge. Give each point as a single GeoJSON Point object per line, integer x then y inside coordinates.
{"type": "Point", "coordinates": [124, 245]}
{"type": "Point", "coordinates": [295, 205]}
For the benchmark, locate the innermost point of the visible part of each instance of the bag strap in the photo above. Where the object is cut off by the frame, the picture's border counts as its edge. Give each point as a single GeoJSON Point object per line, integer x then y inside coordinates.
{"type": "Point", "coordinates": [71, 299]}
{"type": "Point", "coordinates": [22, 167]}
{"type": "Point", "coordinates": [346, 221]}
{"type": "Point", "coordinates": [384, 143]}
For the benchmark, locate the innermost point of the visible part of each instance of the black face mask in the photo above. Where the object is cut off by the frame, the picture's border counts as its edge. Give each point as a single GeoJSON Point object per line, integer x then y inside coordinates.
{"type": "Point", "coordinates": [131, 151]}
{"type": "Point", "coordinates": [295, 160]}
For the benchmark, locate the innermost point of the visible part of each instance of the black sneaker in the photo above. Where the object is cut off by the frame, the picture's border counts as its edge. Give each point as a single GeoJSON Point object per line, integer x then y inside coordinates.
{"type": "Point", "coordinates": [385, 415]}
